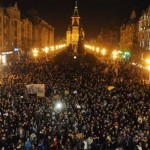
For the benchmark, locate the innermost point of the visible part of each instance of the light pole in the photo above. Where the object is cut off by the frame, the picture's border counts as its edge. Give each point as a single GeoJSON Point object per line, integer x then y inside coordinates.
{"type": "Point", "coordinates": [115, 56]}
{"type": "Point", "coordinates": [46, 49]}
{"type": "Point", "coordinates": [148, 67]}
{"type": "Point", "coordinates": [103, 53]}
{"type": "Point", "coordinates": [35, 53]}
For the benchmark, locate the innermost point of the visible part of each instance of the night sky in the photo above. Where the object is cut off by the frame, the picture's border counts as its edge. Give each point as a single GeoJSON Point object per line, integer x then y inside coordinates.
{"type": "Point", "coordinates": [95, 14]}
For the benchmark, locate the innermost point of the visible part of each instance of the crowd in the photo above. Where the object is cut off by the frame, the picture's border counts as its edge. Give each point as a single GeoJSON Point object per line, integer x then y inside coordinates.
{"type": "Point", "coordinates": [93, 116]}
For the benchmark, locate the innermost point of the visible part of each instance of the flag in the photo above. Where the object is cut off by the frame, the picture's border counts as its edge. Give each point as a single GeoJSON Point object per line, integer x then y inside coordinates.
{"type": "Point", "coordinates": [38, 89]}
{"type": "Point", "coordinates": [110, 88]}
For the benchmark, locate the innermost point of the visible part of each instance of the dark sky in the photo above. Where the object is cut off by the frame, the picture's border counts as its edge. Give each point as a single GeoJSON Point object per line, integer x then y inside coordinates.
{"type": "Point", "coordinates": [95, 14]}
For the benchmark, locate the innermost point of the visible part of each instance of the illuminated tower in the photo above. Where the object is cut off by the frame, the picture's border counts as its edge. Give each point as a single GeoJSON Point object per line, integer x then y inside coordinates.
{"type": "Point", "coordinates": [68, 36]}
{"type": "Point", "coordinates": [73, 33]}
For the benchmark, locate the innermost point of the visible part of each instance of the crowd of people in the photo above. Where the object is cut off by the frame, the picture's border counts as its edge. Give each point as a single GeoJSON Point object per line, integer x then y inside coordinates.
{"type": "Point", "coordinates": [93, 117]}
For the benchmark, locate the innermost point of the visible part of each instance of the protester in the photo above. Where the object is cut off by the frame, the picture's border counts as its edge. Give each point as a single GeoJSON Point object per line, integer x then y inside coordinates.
{"type": "Point", "coordinates": [94, 115]}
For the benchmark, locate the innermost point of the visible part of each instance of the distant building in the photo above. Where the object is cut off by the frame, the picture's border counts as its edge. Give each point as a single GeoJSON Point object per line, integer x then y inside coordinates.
{"type": "Point", "coordinates": [129, 34]}
{"type": "Point", "coordinates": [10, 33]}
{"type": "Point", "coordinates": [108, 38]}
{"type": "Point", "coordinates": [75, 32]}
{"type": "Point", "coordinates": [43, 34]}
{"type": "Point", "coordinates": [19, 35]}
{"type": "Point", "coordinates": [10, 28]}
{"type": "Point", "coordinates": [26, 34]}
{"type": "Point", "coordinates": [144, 30]}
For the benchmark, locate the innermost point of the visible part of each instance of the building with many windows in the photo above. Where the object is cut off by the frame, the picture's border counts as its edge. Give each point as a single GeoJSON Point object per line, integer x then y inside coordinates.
{"type": "Point", "coordinates": [144, 30]}
{"type": "Point", "coordinates": [43, 34]}
{"type": "Point", "coordinates": [10, 28]}
{"type": "Point", "coordinates": [10, 32]}
{"type": "Point", "coordinates": [129, 34]}
{"type": "Point", "coordinates": [19, 35]}
{"type": "Point", "coordinates": [26, 34]}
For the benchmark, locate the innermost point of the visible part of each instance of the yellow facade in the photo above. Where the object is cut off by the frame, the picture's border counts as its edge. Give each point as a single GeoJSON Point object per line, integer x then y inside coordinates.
{"type": "Point", "coordinates": [26, 34]}
{"type": "Point", "coordinates": [1, 28]}
{"type": "Point", "coordinates": [144, 30]}
{"type": "Point", "coordinates": [129, 34]}
{"type": "Point", "coordinates": [43, 35]}
{"type": "Point", "coordinates": [22, 33]}
{"type": "Point", "coordinates": [10, 27]}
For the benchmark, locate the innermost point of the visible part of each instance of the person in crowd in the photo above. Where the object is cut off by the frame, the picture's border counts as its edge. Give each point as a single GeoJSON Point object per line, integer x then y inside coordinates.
{"type": "Point", "coordinates": [102, 108]}
{"type": "Point", "coordinates": [28, 145]}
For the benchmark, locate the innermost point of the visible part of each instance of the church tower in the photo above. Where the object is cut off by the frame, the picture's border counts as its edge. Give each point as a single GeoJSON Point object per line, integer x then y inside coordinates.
{"type": "Point", "coordinates": [73, 33]}
{"type": "Point", "coordinates": [68, 36]}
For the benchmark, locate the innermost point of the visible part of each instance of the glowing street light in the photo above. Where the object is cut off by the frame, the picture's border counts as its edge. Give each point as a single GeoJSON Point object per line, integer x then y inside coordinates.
{"type": "Point", "coordinates": [93, 48]}
{"type": "Point", "coordinates": [115, 54]}
{"type": "Point", "coordinates": [35, 53]}
{"type": "Point", "coordinates": [148, 67]}
{"type": "Point", "coordinates": [97, 49]}
{"type": "Point", "coordinates": [52, 48]}
{"type": "Point", "coordinates": [103, 51]}
{"type": "Point", "coordinates": [46, 49]}
{"type": "Point", "coordinates": [148, 61]}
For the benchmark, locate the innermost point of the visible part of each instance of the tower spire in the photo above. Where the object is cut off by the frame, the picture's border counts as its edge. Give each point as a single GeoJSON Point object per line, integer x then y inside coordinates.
{"type": "Point", "coordinates": [133, 15]}
{"type": "Point", "coordinates": [76, 13]}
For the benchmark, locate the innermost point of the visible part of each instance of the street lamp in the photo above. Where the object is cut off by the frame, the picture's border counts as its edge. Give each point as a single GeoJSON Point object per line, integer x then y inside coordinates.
{"type": "Point", "coordinates": [148, 61]}
{"type": "Point", "coordinates": [103, 51]}
{"type": "Point", "coordinates": [97, 49]}
{"type": "Point", "coordinates": [148, 67]}
{"type": "Point", "coordinates": [46, 49]}
{"type": "Point", "coordinates": [35, 53]}
{"type": "Point", "coordinates": [52, 48]}
{"type": "Point", "coordinates": [115, 56]}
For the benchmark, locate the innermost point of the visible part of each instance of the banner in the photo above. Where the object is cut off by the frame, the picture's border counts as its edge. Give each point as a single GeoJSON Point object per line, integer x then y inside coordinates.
{"type": "Point", "coordinates": [38, 89]}
{"type": "Point", "coordinates": [79, 135]}
{"type": "Point", "coordinates": [66, 92]}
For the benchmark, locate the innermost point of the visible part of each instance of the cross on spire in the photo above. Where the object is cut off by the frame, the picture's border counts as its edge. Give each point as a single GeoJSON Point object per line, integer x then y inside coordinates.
{"type": "Point", "coordinates": [76, 13]}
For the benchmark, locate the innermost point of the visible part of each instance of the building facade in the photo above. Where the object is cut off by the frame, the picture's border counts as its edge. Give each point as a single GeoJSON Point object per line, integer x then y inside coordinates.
{"type": "Point", "coordinates": [26, 34]}
{"type": "Point", "coordinates": [144, 30]}
{"type": "Point", "coordinates": [108, 38]}
{"type": "Point", "coordinates": [129, 34]}
{"type": "Point", "coordinates": [10, 33]}
{"type": "Point", "coordinates": [43, 34]}
{"type": "Point", "coordinates": [75, 32]}
{"type": "Point", "coordinates": [21, 35]}
{"type": "Point", "coordinates": [10, 28]}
